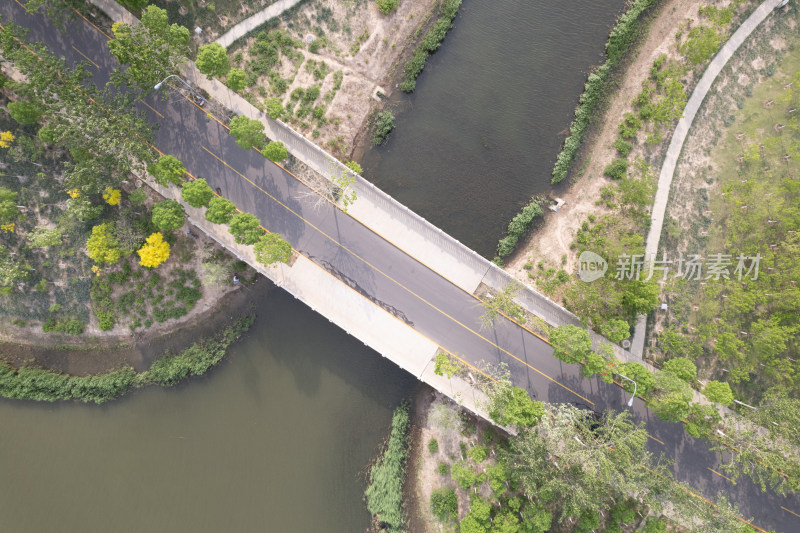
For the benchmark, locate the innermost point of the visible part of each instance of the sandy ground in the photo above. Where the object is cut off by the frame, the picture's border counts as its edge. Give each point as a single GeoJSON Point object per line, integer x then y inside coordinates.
{"type": "Point", "coordinates": [553, 238]}
{"type": "Point", "coordinates": [367, 46]}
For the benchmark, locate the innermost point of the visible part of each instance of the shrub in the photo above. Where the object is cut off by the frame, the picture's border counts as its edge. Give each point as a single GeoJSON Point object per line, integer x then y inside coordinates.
{"type": "Point", "coordinates": [463, 474]}
{"type": "Point", "coordinates": [518, 227]}
{"type": "Point", "coordinates": [274, 108]}
{"type": "Point", "coordinates": [444, 503]}
{"type": "Point", "coordinates": [617, 169]}
{"type": "Point", "coordinates": [443, 469]}
{"type": "Point", "coordinates": [45, 385]}
{"type": "Point", "coordinates": [385, 491]}
{"type": "Point", "coordinates": [720, 392]}
{"type": "Point", "coordinates": [220, 210]}
{"type": "Point", "coordinates": [138, 196]}
{"type": "Point", "coordinates": [433, 445]}
{"type": "Point", "coordinates": [386, 6]}
{"type": "Point", "coordinates": [25, 112]}
{"type": "Point", "coordinates": [623, 147]}
{"type": "Point", "coordinates": [429, 43]}
{"type": "Point", "coordinates": [102, 247]}
{"type": "Point", "coordinates": [381, 127]}
{"type": "Point", "coordinates": [105, 319]}
{"type": "Point", "coordinates": [236, 79]}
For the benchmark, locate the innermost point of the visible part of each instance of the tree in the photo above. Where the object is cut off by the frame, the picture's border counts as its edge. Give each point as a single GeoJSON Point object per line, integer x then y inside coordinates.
{"type": "Point", "coordinates": [154, 252]}
{"type": "Point", "coordinates": [245, 228]}
{"type": "Point", "coordinates": [134, 4]}
{"type": "Point", "coordinates": [112, 196]}
{"type": "Point", "coordinates": [503, 303]}
{"type": "Point", "coordinates": [275, 151]}
{"type": "Point", "coordinates": [702, 420]}
{"type": "Point", "coordinates": [196, 193]}
{"type": "Point", "coordinates": [220, 210]}
{"type": "Point", "coordinates": [42, 237]}
{"type": "Point", "coordinates": [671, 397]}
{"type": "Point", "coordinates": [382, 127]}
{"type": "Point", "coordinates": [570, 343]}
{"type": "Point", "coordinates": [508, 405]}
{"type": "Point", "coordinates": [681, 367]}
{"type": "Point", "coordinates": [168, 169]}
{"type": "Point", "coordinates": [212, 60]}
{"type": "Point", "coordinates": [25, 112]}
{"type": "Point", "coordinates": [271, 249]}
{"type": "Point", "coordinates": [354, 166]}
{"type": "Point", "coordinates": [82, 209]}
{"type": "Point", "coordinates": [102, 247]}
{"type": "Point", "coordinates": [719, 392]}
{"type": "Point", "coordinates": [8, 205]}
{"type": "Point", "coordinates": [248, 132]}
{"type": "Point", "coordinates": [447, 366]}
{"type": "Point", "coordinates": [129, 234]}
{"type": "Point", "coordinates": [168, 215]}
{"type": "Point", "coordinates": [586, 462]}
{"type": "Point", "coordinates": [640, 297]}
{"type": "Point", "coordinates": [616, 330]}
{"type": "Point", "coordinates": [150, 51]}
{"type": "Point", "coordinates": [274, 108]}
{"type": "Point", "coordinates": [6, 138]}
{"type": "Point", "coordinates": [236, 80]}
{"type": "Point", "coordinates": [637, 372]}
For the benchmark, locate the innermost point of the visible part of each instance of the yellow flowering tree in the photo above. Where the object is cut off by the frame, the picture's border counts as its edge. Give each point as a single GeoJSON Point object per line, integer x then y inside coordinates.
{"type": "Point", "coordinates": [102, 246]}
{"type": "Point", "coordinates": [6, 138]}
{"type": "Point", "coordinates": [154, 252]}
{"type": "Point", "coordinates": [74, 193]}
{"type": "Point", "coordinates": [112, 196]}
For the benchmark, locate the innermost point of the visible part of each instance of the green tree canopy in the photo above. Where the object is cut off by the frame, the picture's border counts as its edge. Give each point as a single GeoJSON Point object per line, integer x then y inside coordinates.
{"type": "Point", "coordinates": [274, 108]}
{"type": "Point", "coordinates": [271, 249]}
{"type": "Point", "coordinates": [671, 397]}
{"type": "Point", "coordinates": [11, 270]}
{"type": "Point", "coordinates": [248, 132]}
{"type": "Point", "coordinates": [212, 60]}
{"type": "Point", "coordinates": [196, 193]}
{"type": "Point", "coordinates": [8, 205]}
{"type": "Point", "coordinates": [637, 372]}
{"type": "Point", "coordinates": [681, 367]}
{"type": "Point", "coordinates": [168, 169]}
{"type": "Point", "coordinates": [275, 151]}
{"type": "Point", "coordinates": [220, 210]}
{"type": "Point", "coordinates": [236, 80]}
{"type": "Point", "coordinates": [168, 215]}
{"type": "Point", "coordinates": [615, 330]}
{"type": "Point", "coordinates": [720, 392]}
{"type": "Point", "coordinates": [245, 228]}
{"type": "Point", "coordinates": [640, 297]}
{"type": "Point", "coordinates": [150, 51]}
{"type": "Point", "coordinates": [570, 343]}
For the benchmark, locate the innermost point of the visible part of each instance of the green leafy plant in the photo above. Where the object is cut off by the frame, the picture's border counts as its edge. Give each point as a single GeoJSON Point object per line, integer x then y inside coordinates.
{"type": "Point", "coordinates": [220, 210]}
{"type": "Point", "coordinates": [444, 503]}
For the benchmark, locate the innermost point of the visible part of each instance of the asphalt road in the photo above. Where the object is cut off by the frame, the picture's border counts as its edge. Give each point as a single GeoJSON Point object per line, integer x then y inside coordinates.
{"type": "Point", "coordinates": [390, 278]}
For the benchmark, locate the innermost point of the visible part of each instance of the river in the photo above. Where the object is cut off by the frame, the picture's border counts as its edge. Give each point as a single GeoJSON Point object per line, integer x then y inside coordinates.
{"type": "Point", "coordinates": [480, 134]}
{"type": "Point", "coordinates": [278, 437]}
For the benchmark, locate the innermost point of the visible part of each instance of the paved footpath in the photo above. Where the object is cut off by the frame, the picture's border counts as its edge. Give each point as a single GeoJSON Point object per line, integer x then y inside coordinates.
{"type": "Point", "coordinates": [679, 137]}
{"type": "Point", "coordinates": [251, 23]}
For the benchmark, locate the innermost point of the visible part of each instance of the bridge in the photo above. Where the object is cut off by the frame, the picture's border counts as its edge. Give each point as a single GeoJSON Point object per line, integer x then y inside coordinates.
{"type": "Point", "coordinates": [382, 273]}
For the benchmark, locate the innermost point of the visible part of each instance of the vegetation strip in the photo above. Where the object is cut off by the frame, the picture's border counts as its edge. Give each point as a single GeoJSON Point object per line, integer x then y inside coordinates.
{"type": "Point", "coordinates": [429, 44]}
{"type": "Point", "coordinates": [46, 385]}
{"type": "Point", "coordinates": [385, 491]}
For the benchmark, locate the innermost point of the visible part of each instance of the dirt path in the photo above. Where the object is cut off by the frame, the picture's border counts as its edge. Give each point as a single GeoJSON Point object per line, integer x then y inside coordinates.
{"type": "Point", "coordinates": [552, 239]}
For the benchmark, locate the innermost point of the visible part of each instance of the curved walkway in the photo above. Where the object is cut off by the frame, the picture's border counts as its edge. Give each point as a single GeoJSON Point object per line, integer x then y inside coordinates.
{"type": "Point", "coordinates": [679, 137]}
{"type": "Point", "coordinates": [251, 23]}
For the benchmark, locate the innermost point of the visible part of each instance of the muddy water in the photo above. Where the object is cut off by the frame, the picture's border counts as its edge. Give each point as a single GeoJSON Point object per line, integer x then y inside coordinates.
{"type": "Point", "coordinates": [481, 132]}
{"type": "Point", "coordinates": [276, 439]}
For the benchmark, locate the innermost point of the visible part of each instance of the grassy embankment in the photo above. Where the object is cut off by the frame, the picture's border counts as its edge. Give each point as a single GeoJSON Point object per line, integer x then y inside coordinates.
{"type": "Point", "coordinates": [45, 385]}
{"type": "Point", "coordinates": [622, 39]}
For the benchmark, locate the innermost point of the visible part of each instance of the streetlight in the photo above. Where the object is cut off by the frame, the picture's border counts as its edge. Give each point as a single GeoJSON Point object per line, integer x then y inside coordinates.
{"type": "Point", "coordinates": [630, 402]}
{"type": "Point", "coordinates": [159, 84]}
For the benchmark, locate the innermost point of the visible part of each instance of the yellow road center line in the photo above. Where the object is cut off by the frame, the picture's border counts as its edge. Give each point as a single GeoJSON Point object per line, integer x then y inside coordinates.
{"type": "Point", "coordinates": [721, 475]}
{"type": "Point", "coordinates": [90, 22]}
{"type": "Point", "coordinates": [788, 511]}
{"type": "Point", "coordinates": [152, 108]}
{"type": "Point", "coordinates": [86, 58]}
{"type": "Point", "coordinates": [392, 279]}
{"type": "Point", "coordinates": [655, 439]}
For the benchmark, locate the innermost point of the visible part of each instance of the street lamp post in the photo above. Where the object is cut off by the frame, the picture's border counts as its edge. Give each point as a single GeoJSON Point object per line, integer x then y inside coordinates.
{"type": "Point", "coordinates": [630, 402]}
{"type": "Point", "coordinates": [159, 84]}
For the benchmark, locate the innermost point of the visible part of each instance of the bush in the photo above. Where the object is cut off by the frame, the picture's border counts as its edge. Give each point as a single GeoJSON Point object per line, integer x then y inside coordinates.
{"type": "Point", "coordinates": [385, 491]}
{"type": "Point", "coordinates": [25, 112]}
{"type": "Point", "coordinates": [681, 367]}
{"type": "Point", "coordinates": [617, 169]}
{"type": "Point", "coordinates": [478, 453]}
{"type": "Point", "coordinates": [444, 503]}
{"type": "Point", "coordinates": [48, 386]}
{"type": "Point", "coordinates": [443, 469]}
{"type": "Point", "coordinates": [623, 147]}
{"type": "Point", "coordinates": [386, 6]}
{"type": "Point", "coordinates": [433, 445]}
{"type": "Point", "coordinates": [236, 79]}
{"type": "Point", "coordinates": [518, 227]}
{"type": "Point", "coordinates": [463, 474]}
{"type": "Point", "coordinates": [274, 108]}
{"type": "Point", "coordinates": [381, 127]}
